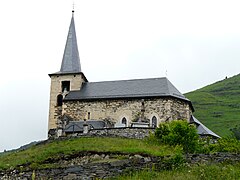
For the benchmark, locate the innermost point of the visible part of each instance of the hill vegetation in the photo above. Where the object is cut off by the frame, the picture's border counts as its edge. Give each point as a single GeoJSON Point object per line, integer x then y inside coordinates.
{"type": "Point", "coordinates": [162, 155]}
{"type": "Point", "coordinates": [199, 172]}
{"type": "Point", "coordinates": [38, 155]}
{"type": "Point", "coordinates": [218, 105]}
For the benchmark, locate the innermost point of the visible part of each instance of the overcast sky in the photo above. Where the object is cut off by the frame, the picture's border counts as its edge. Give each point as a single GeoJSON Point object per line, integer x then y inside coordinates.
{"type": "Point", "coordinates": [193, 43]}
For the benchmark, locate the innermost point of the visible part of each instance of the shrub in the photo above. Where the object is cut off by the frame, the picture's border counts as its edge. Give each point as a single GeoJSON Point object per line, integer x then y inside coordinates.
{"type": "Point", "coordinates": [226, 145]}
{"type": "Point", "coordinates": [236, 132]}
{"type": "Point", "coordinates": [176, 161]}
{"type": "Point", "coordinates": [162, 131]}
{"type": "Point", "coordinates": [204, 145]}
{"type": "Point", "coordinates": [178, 132]}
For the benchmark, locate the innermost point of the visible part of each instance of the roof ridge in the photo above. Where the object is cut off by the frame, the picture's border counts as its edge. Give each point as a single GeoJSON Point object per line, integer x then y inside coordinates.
{"type": "Point", "coordinates": [128, 80]}
{"type": "Point", "coordinates": [170, 84]}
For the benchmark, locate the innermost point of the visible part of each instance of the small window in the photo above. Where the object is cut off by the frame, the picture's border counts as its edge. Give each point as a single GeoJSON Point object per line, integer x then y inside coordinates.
{"type": "Point", "coordinates": [59, 100]}
{"type": "Point", "coordinates": [154, 121]}
{"type": "Point", "coordinates": [65, 86]}
{"type": "Point", "coordinates": [88, 115]}
{"type": "Point", "coordinates": [124, 121]}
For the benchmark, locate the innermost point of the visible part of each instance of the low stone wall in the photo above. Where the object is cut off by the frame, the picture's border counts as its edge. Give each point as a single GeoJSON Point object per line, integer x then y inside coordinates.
{"type": "Point", "coordinates": [213, 158]}
{"type": "Point", "coordinates": [86, 166]}
{"type": "Point", "coordinates": [125, 132]}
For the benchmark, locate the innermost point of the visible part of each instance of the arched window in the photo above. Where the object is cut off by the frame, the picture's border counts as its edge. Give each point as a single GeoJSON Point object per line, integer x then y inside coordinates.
{"type": "Point", "coordinates": [59, 100]}
{"type": "Point", "coordinates": [124, 121]}
{"type": "Point", "coordinates": [154, 121]}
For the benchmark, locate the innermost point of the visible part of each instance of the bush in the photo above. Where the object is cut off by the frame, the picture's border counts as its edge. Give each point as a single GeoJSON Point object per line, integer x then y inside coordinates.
{"type": "Point", "coordinates": [176, 161]}
{"type": "Point", "coordinates": [236, 132]}
{"type": "Point", "coordinates": [178, 132]}
{"type": "Point", "coordinates": [226, 145]}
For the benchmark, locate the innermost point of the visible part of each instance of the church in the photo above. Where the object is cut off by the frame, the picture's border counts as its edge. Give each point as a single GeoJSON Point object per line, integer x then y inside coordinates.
{"type": "Point", "coordinates": [122, 103]}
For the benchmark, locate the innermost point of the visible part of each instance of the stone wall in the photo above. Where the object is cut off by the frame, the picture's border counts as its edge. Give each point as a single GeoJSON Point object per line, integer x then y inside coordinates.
{"type": "Point", "coordinates": [164, 109]}
{"type": "Point", "coordinates": [128, 132]}
{"type": "Point", "coordinates": [86, 166]}
{"type": "Point", "coordinates": [218, 157]}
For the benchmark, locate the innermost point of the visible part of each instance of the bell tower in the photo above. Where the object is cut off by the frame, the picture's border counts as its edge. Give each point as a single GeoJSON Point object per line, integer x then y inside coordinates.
{"type": "Point", "coordinates": [69, 78]}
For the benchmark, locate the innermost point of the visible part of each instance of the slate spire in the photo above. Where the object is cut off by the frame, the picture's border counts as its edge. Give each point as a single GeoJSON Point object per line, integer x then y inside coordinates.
{"type": "Point", "coordinates": [71, 60]}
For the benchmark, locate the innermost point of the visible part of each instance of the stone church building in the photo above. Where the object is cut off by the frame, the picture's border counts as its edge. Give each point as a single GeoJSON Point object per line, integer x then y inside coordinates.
{"type": "Point", "coordinates": [73, 98]}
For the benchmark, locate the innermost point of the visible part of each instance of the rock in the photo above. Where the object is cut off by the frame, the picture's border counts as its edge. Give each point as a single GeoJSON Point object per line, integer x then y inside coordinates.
{"type": "Point", "coordinates": [147, 159]}
{"type": "Point", "coordinates": [96, 157]}
{"type": "Point", "coordinates": [138, 156]}
{"type": "Point", "coordinates": [70, 177]}
{"type": "Point", "coordinates": [119, 163]}
{"type": "Point", "coordinates": [75, 169]}
{"type": "Point", "coordinates": [106, 157]}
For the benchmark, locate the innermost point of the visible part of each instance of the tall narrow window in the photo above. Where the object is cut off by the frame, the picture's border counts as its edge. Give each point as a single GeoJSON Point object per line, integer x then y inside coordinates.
{"type": "Point", "coordinates": [65, 86]}
{"type": "Point", "coordinates": [154, 121]}
{"type": "Point", "coordinates": [124, 121]}
{"type": "Point", "coordinates": [59, 100]}
{"type": "Point", "coordinates": [88, 115]}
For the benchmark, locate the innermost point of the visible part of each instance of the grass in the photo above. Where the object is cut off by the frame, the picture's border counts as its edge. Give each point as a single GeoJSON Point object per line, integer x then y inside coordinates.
{"type": "Point", "coordinates": [218, 105]}
{"type": "Point", "coordinates": [38, 154]}
{"type": "Point", "coordinates": [201, 172]}
{"type": "Point", "coordinates": [46, 155]}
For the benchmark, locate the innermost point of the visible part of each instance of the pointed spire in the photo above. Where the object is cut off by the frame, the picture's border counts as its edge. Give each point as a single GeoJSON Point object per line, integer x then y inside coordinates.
{"type": "Point", "coordinates": [71, 60]}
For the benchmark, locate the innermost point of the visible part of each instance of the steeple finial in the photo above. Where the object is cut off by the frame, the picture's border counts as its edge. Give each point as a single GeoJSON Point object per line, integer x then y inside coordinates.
{"type": "Point", "coordinates": [73, 8]}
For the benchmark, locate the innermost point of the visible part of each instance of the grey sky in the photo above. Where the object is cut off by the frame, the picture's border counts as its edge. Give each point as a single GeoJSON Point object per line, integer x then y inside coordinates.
{"type": "Point", "coordinates": [194, 43]}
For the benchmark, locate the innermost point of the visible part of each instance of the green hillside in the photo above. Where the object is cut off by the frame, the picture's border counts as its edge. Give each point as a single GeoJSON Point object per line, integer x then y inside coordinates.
{"type": "Point", "coordinates": [39, 155]}
{"type": "Point", "coordinates": [218, 105]}
{"type": "Point", "coordinates": [73, 158]}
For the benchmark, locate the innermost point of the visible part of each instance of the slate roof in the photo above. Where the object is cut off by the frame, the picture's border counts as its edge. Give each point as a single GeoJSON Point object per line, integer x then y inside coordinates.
{"type": "Point", "coordinates": [136, 88]}
{"type": "Point", "coordinates": [77, 126]}
{"type": "Point", "coordinates": [202, 130]}
{"type": "Point", "coordinates": [70, 61]}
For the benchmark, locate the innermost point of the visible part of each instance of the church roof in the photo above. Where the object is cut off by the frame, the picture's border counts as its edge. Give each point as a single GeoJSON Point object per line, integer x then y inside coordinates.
{"type": "Point", "coordinates": [70, 60]}
{"type": "Point", "coordinates": [137, 88]}
{"type": "Point", "coordinates": [201, 129]}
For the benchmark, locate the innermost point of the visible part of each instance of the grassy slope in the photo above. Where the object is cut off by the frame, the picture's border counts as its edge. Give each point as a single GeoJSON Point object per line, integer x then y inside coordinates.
{"type": "Point", "coordinates": [218, 105]}
{"type": "Point", "coordinates": [201, 172]}
{"type": "Point", "coordinates": [37, 155]}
